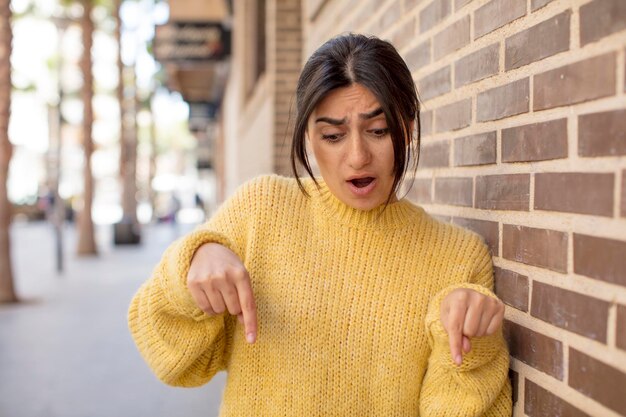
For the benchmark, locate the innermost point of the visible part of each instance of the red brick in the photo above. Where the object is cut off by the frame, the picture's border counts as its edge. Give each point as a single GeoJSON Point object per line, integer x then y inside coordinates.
{"type": "Point", "coordinates": [435, 84]}
{"type": "Point", "coordinates": [562, 86]}
{"type": "Point", "coordinates": [348, 6]}
{"type": "Point", "coordinates": [535, 142]}
{"type": "Point", "coordinates": [419, 56]}
{"type": "Point", "coordinates": [477, 149]}
{"type": "Point", "coordinates": [601, 18]}
{"type": "Point", "coordinates": [575, 192]}
{"type": "Point", "coordinates": [454, 191]}
{"type": "Point", "coordinates": [453, 116]}
{"type": "Point", "coordinates": [495, 14]}
{"type": "Point", "coordinates": [426, 122]}
{"type": "Point", "coordinates": [367, 11]}
{"type": "Point", "coordinates": [569, 310]}
{"type": "Point", "coordinates": [512, 288]}
{"type": "Point", "coordinates": [504, 101]}
{"type": "Point", "coordinates": [597, 380]}
{"type": "Point", "coordinates": [410, 4]}
{"type": "Point", "coordinates": [514, 378]}
{"type": "Point", "coordinates": [433, 155]}
{"type": "Point", "coordinates": [478, 65]}
{"type": "Point", "coordinates": [391, 15]}
{"type": "Point", "coordinates": [539, 402]}
{"type": "Point", "coordinates": [600, 258]}
{"type": "Point", "coordinates": [460, 3]}
{"type": "Point", "coordinates": [454, 37]}
{"type": "Point", "coordinates": [503, 192]}
{"type": "Point", "coordinates": [621, 327]}
{"type": "Point", "coordinates": [488, 230]}
{"type": "Point", "coordinates": [401, 37]}
{"type": "Point", "coordinates": [539, 247]}
{"type": "Point", "coordinates": [602, 134]}
{"type": "Point", "coordinates": [374, 27]}
{"type": "Point", "coordinates": [537, 4]}
{"type": "Point", "coordinates": [421, 191]}
{"type": "Point", "coordinates": [623, 201]}
{"type": "Point", "coordinates": [534, 349]}
{"type": "Point", "coordinates": [538, 42]}
{"type": "Point", "coordinates": [434, 13]}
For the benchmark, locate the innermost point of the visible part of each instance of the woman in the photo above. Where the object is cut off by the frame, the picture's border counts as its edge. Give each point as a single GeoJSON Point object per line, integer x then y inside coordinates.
{"type": "Point", "coordinates": [329, 296]}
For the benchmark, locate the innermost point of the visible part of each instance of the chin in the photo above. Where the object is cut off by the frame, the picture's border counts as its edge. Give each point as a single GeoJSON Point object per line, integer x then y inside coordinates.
{"type": "Point", "coordinates": [364, 205]}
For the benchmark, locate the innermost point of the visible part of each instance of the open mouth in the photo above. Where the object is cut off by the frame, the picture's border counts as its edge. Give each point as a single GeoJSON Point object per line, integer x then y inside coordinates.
{"type": "Point", "coordinates": [362, 182]}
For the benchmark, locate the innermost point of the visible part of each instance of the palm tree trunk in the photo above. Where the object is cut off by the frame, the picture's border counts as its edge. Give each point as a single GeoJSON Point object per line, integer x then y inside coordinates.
{"type": "Point", "coordinates": [121, 101]}
{"type": "Point", "coordinates": [7, 290]}
{"type": "Point", "coordinates": [128, 162]}
{"type": "Point", "coordinates": [152, 163]}
{"type": "Point", "coordinates": [128, 136]}
{"type": "Point", "coordinates": [86, 238]}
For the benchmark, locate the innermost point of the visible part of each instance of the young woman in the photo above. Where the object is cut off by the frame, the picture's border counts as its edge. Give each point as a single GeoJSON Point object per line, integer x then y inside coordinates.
{"type": "Point", "coordinates": [329, 296]}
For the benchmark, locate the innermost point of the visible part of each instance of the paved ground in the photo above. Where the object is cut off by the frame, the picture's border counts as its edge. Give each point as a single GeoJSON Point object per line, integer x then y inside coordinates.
{"type": "Point", "coordinates": [65, 351]}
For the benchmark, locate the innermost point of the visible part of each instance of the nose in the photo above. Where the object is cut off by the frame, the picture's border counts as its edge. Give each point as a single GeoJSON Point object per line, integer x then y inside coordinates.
{"type": "Point", "coordinates": [359, 154]}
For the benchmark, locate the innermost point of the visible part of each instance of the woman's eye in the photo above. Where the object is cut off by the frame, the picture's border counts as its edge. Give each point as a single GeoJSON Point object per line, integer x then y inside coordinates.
{"type": "Point", "coordinates": [332, 137]}
{"type": "Point", "coordinates": [380, 132]}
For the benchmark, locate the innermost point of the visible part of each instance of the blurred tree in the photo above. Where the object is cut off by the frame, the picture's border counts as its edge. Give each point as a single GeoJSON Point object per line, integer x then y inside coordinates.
{"type": "Point", "coordinates": [86, 236]}
{"type": "Point", "coordinates": [7, 290]}
{"type": "Point", "coordinates": [127, 231]}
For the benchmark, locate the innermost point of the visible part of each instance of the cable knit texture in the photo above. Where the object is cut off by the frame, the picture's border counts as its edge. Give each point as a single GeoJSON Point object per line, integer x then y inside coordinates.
{"type": "Point", "coordinates": [348, 311]}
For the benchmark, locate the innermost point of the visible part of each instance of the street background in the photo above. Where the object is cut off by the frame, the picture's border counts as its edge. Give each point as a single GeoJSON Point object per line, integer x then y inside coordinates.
{"type": "Point", "coordinates": [65, 350]}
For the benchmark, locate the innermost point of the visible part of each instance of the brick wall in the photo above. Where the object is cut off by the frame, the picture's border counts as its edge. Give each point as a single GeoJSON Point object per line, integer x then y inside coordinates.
{"type": "Point", "coordinates": [288, 65]}
{"type": "Point", "coordinates": [524, 142]}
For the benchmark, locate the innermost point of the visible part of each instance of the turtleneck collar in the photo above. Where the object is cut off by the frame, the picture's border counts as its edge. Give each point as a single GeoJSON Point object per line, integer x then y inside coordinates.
{"type": "Point", "coordinates": [394, 215]}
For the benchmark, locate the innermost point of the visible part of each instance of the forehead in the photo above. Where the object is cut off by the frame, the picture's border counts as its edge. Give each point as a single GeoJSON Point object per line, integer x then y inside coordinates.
{"type": "Point", "coordinates": [341, 101]}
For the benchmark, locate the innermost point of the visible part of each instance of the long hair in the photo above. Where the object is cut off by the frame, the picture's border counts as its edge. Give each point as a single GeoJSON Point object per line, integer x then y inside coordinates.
{"type": "Point", "coordinates": [375, 64]}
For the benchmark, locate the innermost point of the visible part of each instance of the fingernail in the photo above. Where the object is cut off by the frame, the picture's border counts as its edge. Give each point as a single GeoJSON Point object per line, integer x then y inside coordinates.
{"type": "Point", "coordinates": [250, 337]}
{"type": "Point", "coordinates": [458, 359]}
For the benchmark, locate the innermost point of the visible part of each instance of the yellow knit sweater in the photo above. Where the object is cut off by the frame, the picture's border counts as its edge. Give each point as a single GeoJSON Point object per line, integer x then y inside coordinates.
{"type": "Point", "coordinates": [348, 311]}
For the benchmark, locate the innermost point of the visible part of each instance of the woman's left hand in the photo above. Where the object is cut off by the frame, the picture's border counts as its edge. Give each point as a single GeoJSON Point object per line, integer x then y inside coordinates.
{"type": "Point", "coordinates": [466, 313]}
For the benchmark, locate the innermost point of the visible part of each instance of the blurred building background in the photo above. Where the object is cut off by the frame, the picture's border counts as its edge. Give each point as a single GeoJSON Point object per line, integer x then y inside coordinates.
{"type": "Point", "coordinates": [523, 121]}
{"type": "Point", "coordinates": [244, 84]}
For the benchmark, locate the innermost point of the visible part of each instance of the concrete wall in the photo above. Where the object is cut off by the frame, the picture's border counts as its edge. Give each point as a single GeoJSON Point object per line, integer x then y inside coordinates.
{"type": "Point", "coordinates": [258, 124]}
{"type": "Point", "coordinates": [256, 133]}
{"type": "Point", "coordinates": [248, 113]}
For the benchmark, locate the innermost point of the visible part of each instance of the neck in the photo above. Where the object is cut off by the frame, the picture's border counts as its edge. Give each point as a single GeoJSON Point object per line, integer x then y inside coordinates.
{"type": "Point", "coordinates": [391, 215]}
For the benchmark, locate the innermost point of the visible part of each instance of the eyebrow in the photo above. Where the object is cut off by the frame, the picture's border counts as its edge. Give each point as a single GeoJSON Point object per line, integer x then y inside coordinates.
{"type": "Point", "coordinates": [370, 115]}
{"type": "Point", "coordinates": [338, 122]}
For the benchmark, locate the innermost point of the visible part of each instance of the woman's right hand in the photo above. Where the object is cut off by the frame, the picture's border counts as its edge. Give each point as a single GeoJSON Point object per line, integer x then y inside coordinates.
{"type": "Point", "coordinates": [218, 281]}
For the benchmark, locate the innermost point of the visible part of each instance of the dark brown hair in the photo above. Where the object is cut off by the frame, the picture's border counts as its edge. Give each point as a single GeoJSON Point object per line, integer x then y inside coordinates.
{"type": "Point", "coordinates": [376, 65]}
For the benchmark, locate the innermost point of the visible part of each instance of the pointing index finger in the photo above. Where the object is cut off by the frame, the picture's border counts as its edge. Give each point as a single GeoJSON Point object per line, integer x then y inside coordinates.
{"type": "Point", "coordinates": [455, 334]}
{"type": "Point", "coordinates": [248, 308]}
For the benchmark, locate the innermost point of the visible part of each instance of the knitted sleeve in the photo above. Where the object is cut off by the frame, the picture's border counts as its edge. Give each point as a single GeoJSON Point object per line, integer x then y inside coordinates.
{"type": "Point", "coordinates": [181, 344]}
{"type": "Point", "coordinates": [480, 385]}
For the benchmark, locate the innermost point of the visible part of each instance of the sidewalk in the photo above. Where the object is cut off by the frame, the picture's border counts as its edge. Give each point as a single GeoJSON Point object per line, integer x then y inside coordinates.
{"type": "Point", "coordinates": [65, 351]}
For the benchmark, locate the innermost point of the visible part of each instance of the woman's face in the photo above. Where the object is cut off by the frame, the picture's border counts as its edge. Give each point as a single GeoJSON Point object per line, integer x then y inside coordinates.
{"type": "Point", "coordinates": [349, 137]}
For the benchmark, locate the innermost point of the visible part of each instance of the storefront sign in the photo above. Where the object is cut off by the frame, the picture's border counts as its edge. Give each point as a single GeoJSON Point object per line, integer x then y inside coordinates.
{"type": "Point", "coordinates": [190, 41]}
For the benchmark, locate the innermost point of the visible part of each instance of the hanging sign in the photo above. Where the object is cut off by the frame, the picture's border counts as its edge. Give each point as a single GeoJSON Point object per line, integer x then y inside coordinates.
{"type": "Point", "coordinates": [191, 41]}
